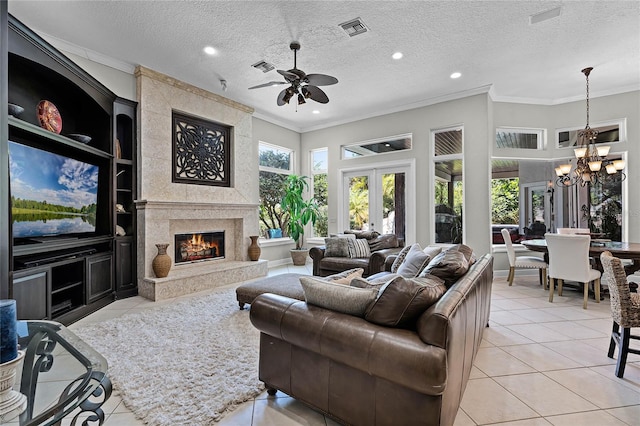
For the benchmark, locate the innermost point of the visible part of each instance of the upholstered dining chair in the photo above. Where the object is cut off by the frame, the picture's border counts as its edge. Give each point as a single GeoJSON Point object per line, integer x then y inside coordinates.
{"type": "Point", "coordinates": [569, 260]}
{"type": "Point", "coordinates": [528, 262]}
{"type": "Point", "coordinates": [625, 310]}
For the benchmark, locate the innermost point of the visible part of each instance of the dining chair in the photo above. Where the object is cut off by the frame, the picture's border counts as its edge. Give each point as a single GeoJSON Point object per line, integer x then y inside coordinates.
{"type": "Point", "coordinates": [526, 262]}
{"type": "Point", "coordinates": [625, 310]}
{"type": "Point", "coordinates": [569, 260]}
{"type": "Point", "coordinates": [570, 231]}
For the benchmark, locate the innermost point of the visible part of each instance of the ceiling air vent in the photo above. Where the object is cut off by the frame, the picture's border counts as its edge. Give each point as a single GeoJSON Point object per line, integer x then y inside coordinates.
{"type": "Point", "coordinates": [263, 66]}
{"type": "Point", "coordinates": [354, 27]}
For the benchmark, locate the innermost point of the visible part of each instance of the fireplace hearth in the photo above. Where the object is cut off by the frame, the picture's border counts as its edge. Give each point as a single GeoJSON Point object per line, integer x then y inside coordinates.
{"type": "Point", "coordinates": [200, 246]}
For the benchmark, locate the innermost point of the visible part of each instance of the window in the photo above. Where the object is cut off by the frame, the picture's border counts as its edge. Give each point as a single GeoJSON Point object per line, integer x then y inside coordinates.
{"type": "Point", "coordinates": [275, 164]}
{"type": "Point", "coordinates": [319, 167]}
{"type": "Point", "coordinates": [447, 152]}
{"type": "Point", "coordinates": [377, 146]}
{"type": "Point", "coordinates": [520, 138]}
{"type": "Point", "coordinates": [608, 132]}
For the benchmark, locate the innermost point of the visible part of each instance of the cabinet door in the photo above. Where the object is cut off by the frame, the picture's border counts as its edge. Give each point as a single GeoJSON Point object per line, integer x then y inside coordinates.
{"type": "Point", "coordinates": [125, 274]}
{"type": "Point", "coordinates": [99, 276]}
{"type": "Point", "coordinates": [31, 294]}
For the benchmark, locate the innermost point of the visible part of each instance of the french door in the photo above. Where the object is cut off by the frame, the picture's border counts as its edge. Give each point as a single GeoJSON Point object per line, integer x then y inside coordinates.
{"type": "Point", "coordinates": [377, 199]}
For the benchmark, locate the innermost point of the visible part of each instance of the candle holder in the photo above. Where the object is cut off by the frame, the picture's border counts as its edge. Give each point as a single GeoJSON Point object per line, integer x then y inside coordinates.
{"type": "Point", "coordinates": [12, 403]}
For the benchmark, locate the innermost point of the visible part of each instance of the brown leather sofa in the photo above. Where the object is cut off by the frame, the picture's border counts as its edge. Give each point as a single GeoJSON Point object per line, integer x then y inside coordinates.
{"type": "Point", "coordinates": [360, 373]}
{"type": "Point", "coordinates": [324, 266]}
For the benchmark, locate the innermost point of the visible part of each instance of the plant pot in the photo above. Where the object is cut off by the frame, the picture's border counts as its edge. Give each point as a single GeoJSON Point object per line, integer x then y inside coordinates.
{"type": "Point", "coordinates": [254, 248]}
{"type": "Point", "coordinates": [299, 257]}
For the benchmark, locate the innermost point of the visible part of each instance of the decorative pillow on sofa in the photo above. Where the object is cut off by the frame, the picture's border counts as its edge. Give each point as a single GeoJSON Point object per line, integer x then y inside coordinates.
{"type": "Point", "coordinates": [337, 297]}
{"type": "Point", "coordinates": [336, 247]}
{"type": "Point", "coordinates": [358, 247]}
{"type": "Point", "coordinates": [402, 300]}
{"type": "Point", "coordinates": [373, 281]}
{"type": "Point", "coordinates": [367, 235]}
{"type": "Point", "coordinates": [414, 262]}
{"type": "Point", "coordinates": [400, 258]}
{"type": "Point", "coordinates": [432, 251]}
{"type": "Point", "coordinates": [449, 265]}
{"type": "Point", "coordinates": [345, 277]}
{"type": "Point", "coordinates": [383, 241]}
{"type": "Point", "coordinates": [467, 251]}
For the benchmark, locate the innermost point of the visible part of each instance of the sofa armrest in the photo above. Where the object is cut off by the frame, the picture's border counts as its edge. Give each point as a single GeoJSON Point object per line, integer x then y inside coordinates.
{"type": "Point", "coordinates": [388, 263]}
{"type": "Point", "coordinates": [378, 258]}
{"type": "Point", "coordinates": [317, 254]}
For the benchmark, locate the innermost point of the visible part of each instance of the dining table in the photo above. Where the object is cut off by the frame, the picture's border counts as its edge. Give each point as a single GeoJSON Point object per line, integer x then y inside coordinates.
{"type": "Point", "coordinates": [620, 249]}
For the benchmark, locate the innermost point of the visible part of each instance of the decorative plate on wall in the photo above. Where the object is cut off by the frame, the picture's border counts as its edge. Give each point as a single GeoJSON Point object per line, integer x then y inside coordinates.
{"type": "Point", "coordinates": [49, 117]}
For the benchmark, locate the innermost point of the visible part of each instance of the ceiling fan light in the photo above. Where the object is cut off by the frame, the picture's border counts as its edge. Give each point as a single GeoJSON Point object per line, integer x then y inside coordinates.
{"type": "Point", "coordinates": [287, 96]}
{"type": "Point", "coordinates": [305, 92]}
{"type": "Point", "coordinates": [618, 164]}
{"type": "Point", "coordinates": [301, 99]}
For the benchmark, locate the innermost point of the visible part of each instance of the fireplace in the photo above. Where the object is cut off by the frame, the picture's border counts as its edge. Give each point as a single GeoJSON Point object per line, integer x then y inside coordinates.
{"type": "Point", "coordinates": [200, 246]}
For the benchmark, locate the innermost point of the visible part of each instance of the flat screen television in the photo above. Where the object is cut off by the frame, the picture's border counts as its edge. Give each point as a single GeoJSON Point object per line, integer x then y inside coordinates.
{"type": "Point", "coordinates": [51, 195]}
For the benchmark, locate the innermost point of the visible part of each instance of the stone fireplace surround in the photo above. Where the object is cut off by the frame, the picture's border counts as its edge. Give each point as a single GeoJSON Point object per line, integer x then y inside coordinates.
{"type": "Point", "coordinates": [165, 208]}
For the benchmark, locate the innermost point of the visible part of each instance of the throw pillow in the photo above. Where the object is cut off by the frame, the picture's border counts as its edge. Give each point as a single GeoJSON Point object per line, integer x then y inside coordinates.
{"type": "Point", "coordinates": [373, 282]}
{"type": "Point", "coordinates": [383, 241]}
{"type": "Point", "coordinates": [345, 277]}
{"type": "Point", "coordinates": [414, 262]}
{"type": "Point", "coordinates": [401, 301]}
{"type": "Point", "coordinates": [337, 297]}
{"type": "Point", "coordinates": [336, 247]}
{"type": "Point", "coordinates": [466, 250]}
{"type": "Point", "coordinates": [367, 235]}
{"type": "Point", "coordinates": [358, 248]}
{"type": "Point", "coordinates": [400, 258]}
{"type": "Point", "coordinates": [432, 251]}
{"type": "Point", "coordinates": [343, 235]}
{"type": "Point", "coordinates": [448, 265]}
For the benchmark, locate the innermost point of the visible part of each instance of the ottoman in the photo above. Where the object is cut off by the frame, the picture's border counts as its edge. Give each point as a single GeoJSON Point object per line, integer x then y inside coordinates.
{"type": "Point", "coordinates": [284, 285]}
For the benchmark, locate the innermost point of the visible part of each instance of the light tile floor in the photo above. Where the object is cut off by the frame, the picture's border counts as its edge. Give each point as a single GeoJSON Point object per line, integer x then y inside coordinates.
{"type": "Point", "coordinates": [539, 363]}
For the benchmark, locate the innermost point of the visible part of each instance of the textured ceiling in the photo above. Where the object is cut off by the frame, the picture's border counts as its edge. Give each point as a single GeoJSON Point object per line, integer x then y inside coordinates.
{"type": "Point", "coordinates": [491, 43]}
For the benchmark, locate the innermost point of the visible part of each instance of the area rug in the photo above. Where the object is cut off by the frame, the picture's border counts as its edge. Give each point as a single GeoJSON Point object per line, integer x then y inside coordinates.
{"type": "Point", "coordinates": [186, 363]}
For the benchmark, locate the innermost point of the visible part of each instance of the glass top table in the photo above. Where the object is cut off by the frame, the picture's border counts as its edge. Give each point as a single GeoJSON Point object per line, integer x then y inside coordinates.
{"type": "Point", "coordinates": [61, 375]}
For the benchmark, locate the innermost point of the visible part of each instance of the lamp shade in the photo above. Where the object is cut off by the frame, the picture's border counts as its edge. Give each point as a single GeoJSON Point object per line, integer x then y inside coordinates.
{"type": "Point", "coordinates": [619, 164]}
{"type": "Point", "coordinates": [595, 166]}
{"type": "Point", "coordinates": [603, 150]}
{"type": "Point", "coordinates": [580, 152]}
{"type": "Point", "coordinates": [611, 169]}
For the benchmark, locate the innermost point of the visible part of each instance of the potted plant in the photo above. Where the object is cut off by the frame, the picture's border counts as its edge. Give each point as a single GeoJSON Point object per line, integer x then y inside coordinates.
{"type": "Point", "coordinates": [299, 213]}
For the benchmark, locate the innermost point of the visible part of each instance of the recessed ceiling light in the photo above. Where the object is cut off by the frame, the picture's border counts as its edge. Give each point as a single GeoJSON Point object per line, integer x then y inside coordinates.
{"type": "Point", "coordinates": [209, 50]}
{"type": "Point", "coordinates": [397, 55]}
{"type": "Point", "coordinates": [315, 111]}
{"type": "Point", "coordinates": [456, 75]}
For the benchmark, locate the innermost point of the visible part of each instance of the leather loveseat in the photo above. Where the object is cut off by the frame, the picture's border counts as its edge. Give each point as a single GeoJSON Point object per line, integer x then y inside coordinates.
{"type": "Point", "coordinates": [361, 373]}
{"type": "Point", "coordinates": [328, 265]}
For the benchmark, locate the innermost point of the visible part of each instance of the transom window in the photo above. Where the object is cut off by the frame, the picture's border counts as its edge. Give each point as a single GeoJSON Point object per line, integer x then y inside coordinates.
{"type": "Point", "coordinates": [515, 138]}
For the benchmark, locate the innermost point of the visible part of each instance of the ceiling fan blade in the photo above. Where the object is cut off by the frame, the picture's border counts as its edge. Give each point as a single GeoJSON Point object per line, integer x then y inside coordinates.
{"type": "Point", "coordinates": [289, 76]}
{"type": "Point", "coordinates": [271, 83]}
{"type": "Point", "coordinates": [320, 79]}
{"type": "Point", "coordinates": [316, 94]}
{"type": "Point", "coordinates": [281, 97]}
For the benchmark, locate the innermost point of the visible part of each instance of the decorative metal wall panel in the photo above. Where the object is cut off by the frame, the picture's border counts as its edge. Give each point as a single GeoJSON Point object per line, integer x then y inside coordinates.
{"type": "Point", "coordinates": [201, 151]}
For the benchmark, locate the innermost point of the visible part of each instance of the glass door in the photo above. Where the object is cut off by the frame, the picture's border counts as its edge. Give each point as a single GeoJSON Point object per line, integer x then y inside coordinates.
{"type": "Point", "coordinates": [376, 200]}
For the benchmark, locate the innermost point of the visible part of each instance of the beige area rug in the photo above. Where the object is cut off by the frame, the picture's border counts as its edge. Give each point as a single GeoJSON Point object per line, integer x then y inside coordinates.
{"type": "Point", "coordinates": [186, 363]}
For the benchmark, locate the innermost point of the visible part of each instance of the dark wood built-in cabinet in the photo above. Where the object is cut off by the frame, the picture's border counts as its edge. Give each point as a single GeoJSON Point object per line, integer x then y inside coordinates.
{"type": "Point", "coordinates": [65, 277]}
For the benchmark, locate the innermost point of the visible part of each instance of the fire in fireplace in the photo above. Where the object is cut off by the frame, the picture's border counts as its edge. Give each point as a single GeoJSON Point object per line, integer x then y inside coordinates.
{"type": "Point", "coordinates": [199, 246]}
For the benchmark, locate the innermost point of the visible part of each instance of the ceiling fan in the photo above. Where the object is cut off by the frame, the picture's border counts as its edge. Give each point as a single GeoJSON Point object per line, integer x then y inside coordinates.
{"type": "Point", "coordinates": [304, 85]}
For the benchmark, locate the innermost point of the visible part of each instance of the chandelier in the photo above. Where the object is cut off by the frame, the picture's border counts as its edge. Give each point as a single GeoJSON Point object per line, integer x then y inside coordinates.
{"type": "Point", "coordinates": [591, 159]}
